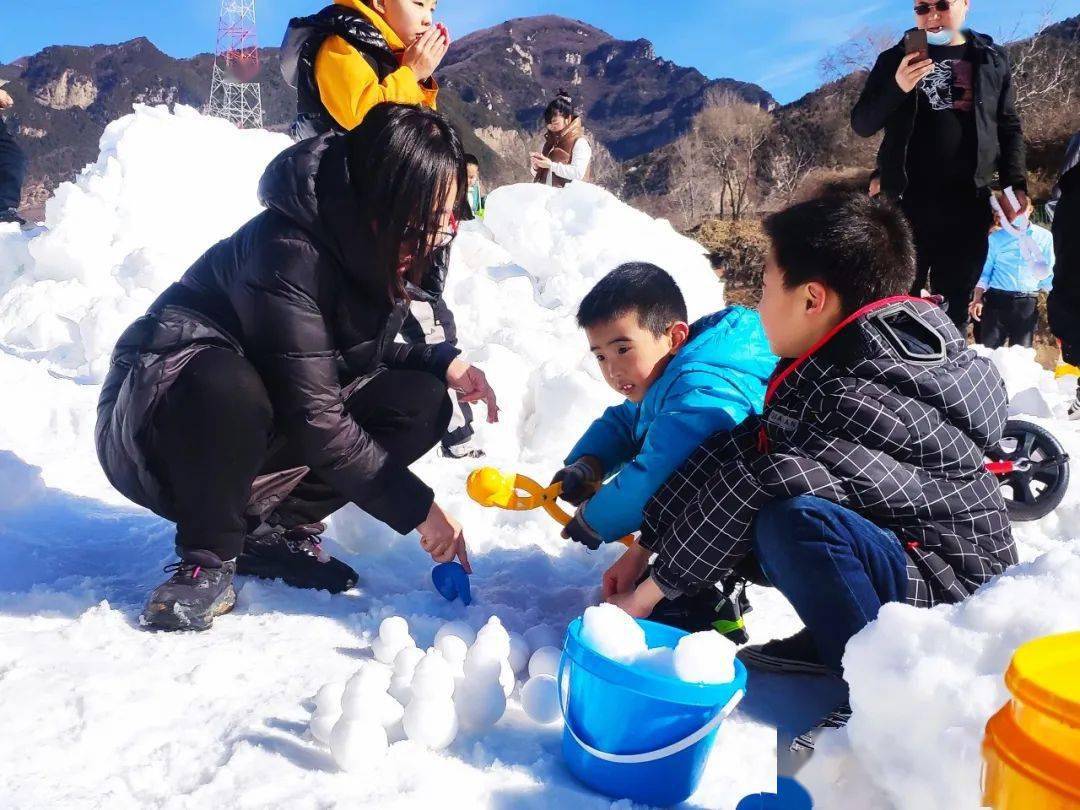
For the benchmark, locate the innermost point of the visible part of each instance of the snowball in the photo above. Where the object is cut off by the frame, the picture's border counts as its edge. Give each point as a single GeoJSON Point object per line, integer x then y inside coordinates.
{"type": "Point", "coordinates": [357, 745]}
{"type": "Point", "coordinates": [611, 632]}
{"type": "Point", "coordinates": [519, 653]}
{"type": "Point", "coordinates": [405, 662]}
{"type": "Point", "coordinates": [483, 662]}
{"type": "Point", "coordinates": [434, 678]}
{"type": "Point", "coordinates": [542, 636]}
{"type": "Point", "coordinates": [705, 657]}
{"type": "Point", "coordinates": [322, 724]}
{"type": "Point", "coordinates": [370, 679]}
{"type": "Point", "coordinates": [328, 698]}
{"type": "Point", "coordinates": [394, 628]}
{"type": "Point", "coordinates": [658, 660]}
{"type": "Point", "coordinates": [540, 699]}
{"type": "Point", "coordinates": [386, 650]}
{"type": "Point", "coordinates": [494, 635]}
{"type": "Point", "coordinates": [459, 629]}
{"type": "Point", "coordinates": [545, 661]}
{"type": "Point", "coordinates": [453, 649]}
{"type": "Point", "coordinates": [431, 722]}
{"type": "Point", "coordinates": [480, 703]}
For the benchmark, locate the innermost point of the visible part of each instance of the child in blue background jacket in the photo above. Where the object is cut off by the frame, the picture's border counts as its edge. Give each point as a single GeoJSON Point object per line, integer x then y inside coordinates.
{"type": "Point", "coordinates": [682, 383]}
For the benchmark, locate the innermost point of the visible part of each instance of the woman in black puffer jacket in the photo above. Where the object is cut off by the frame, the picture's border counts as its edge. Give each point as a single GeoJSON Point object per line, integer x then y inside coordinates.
{"type": "Point", "coordinates": [265, 390]}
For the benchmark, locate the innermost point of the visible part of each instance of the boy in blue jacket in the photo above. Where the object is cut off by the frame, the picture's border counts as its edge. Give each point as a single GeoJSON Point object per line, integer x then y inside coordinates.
{"type": "Point", "coordinates": [682, 383]}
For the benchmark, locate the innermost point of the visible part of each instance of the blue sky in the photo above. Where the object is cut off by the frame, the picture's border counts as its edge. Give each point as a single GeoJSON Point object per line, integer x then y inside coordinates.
{"type": "Point", "coordinates": [776, 43]}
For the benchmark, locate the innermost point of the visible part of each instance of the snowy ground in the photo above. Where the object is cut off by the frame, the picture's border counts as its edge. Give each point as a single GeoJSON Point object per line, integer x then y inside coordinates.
{"type": "Point", "coordinates": [100, 713]}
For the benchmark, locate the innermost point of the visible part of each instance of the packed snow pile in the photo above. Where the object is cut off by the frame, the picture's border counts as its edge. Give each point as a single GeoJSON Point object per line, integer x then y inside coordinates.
{"type": "Point", "coordinates": [98, 711]}
{"type": "Point", "coordinates": [925, 682]}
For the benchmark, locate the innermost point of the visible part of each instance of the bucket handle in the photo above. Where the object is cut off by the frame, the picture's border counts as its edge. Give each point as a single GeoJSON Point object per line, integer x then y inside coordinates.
{"type": "Point", "coordinates": [648, 756]}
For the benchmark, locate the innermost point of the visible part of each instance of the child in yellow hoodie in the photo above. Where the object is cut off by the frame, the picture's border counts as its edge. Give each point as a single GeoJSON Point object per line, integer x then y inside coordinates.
{"type": "Point", "coordinates": [355, 54]}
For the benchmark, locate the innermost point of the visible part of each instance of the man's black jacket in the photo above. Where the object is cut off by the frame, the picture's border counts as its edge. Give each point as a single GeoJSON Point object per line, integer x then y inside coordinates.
{"type": "Point", "coordinates": [883, 105]}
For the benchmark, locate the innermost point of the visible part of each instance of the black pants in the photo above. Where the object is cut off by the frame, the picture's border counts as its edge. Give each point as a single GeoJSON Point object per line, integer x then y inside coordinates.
{"type": "Point", "coordinates": [951, 242]}
{"type": "Point", "coordinates": [416, 331]}
{"type": "Point", "coordinates": [213, 435]}
{"type": "Point", "coordinates": [12, 169]}
{"type": "Point", "coordinates": [1008, 317]}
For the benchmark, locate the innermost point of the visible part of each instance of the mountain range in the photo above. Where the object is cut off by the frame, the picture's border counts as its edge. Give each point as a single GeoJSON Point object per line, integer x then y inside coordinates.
{"type": "Point", "coordinates": [495, 84]}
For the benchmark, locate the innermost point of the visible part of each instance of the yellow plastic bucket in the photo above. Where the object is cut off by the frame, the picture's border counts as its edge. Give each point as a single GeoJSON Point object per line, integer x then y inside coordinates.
{"type": "Point", "coordinates": [1032, 746]}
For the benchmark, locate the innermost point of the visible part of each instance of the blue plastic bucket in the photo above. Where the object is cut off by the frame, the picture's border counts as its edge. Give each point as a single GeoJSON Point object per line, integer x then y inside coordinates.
{"type": "Point", "coordinates": [632, 734]}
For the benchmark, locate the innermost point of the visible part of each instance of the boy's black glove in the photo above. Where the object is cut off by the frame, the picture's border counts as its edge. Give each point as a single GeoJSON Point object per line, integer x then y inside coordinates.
{"type": "Point", "coordinates": [578, 481]}
{"type": "Point", "coordinates": [579, 530]}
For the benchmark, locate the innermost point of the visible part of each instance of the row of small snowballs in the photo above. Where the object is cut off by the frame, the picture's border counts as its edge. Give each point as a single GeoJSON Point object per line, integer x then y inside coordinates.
{"type": "Point", "coordinates": [705, 657]}
{"type": "Point", "coordinates": [463, 681]}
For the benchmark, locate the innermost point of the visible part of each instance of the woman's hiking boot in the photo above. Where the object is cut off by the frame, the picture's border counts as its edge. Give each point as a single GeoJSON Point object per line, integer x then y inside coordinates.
{"type": "Point", "coordinates": [200, 589]}
{"type": "Point", "coordinates": [296, 557]}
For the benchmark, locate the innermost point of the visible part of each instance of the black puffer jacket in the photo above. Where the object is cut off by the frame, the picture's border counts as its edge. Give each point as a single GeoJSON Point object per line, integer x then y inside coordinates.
{"type": "Point", "coordinates": [294, 291]}
{"type": "Point", "coordinates": [303, 39]}
{"type": "Point", "coordinates": [1064, 303]}
{"type": "Point", "coordinates": [890, 418]}
{"type": "Point", "coordinates": [883, 105]}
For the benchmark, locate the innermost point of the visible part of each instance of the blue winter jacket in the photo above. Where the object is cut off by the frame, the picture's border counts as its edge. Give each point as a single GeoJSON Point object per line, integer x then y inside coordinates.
{"type": "Point", "coordinates": [713, 383]}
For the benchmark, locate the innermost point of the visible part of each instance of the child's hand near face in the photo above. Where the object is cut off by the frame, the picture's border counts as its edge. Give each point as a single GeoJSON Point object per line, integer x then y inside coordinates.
{"type": "Point", "coordinates": [425, 55]}
{"type": "Point", "coordinates": [624, 574]}
{"type": "Point", "coordinates": [641, 601]}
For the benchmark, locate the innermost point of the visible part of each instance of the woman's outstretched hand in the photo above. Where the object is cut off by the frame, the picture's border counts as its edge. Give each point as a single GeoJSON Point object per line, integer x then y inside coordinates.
{"type": "Point", "coordinates": [471, 385]}
{"type": "Point", "coordinates": [441, 537]}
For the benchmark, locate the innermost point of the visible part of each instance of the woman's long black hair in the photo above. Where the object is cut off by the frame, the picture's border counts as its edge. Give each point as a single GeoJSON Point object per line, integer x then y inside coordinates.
{"type": "Point", "coordinates": [403, 162]}
{"type": "Point", "coordinates": [562, 105]}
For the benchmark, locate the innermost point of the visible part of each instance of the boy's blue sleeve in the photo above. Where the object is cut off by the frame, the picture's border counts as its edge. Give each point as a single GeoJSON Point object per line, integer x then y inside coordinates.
{"type": "Point", "coordinates": [696, 408]}
{"type": "Point", "coordinates": [610, 438]}
{"type": "Point", "coordinates": [1046, 240]}
{"type": "Point", "coordinates": [988, 268]}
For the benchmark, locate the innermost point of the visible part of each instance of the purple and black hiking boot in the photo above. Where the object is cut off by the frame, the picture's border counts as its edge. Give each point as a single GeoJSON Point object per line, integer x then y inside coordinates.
{"type": "Point", "coordinates": [296, 557]}
{"type": "Point", "coordinates": [199, 590]}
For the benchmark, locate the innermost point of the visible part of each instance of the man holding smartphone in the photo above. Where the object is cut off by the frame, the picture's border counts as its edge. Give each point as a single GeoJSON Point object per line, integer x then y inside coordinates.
{"type": "Point", "coordinates": [945, 99]}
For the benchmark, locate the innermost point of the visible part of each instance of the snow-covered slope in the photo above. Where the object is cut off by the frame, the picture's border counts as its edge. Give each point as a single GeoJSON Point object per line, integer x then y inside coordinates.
{"type": "Point", "coordinates": [100, 713]}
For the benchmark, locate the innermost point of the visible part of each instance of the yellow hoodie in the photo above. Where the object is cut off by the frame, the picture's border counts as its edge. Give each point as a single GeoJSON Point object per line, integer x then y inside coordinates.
{"type": "Point", "coordinates": [349, 87]}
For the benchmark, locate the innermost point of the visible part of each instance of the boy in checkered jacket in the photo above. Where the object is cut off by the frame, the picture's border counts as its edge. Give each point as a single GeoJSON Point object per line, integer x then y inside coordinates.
{"type": "Point", "coordinates": [863, 481]}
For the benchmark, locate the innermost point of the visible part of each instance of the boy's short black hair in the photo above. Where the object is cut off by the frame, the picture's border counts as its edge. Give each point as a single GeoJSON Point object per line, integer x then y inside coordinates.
{"type": "Point", "coordinates": [858, 246]}
{"type": "Point", "coordinates": [470, 160]}
{"type": "Point", "coordinates": [636, 287]}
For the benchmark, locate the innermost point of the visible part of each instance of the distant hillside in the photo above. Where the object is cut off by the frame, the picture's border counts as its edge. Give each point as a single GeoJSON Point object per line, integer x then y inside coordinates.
{"type": "Point", "coordinates": [495, 83]}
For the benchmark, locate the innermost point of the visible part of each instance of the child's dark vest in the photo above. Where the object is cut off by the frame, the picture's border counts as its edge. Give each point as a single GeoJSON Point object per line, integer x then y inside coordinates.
{"type": "Point", "coordinates": [303, 38]}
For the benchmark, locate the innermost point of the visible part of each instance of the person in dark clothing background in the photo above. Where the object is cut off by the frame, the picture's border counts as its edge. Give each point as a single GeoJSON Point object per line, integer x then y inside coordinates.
{"type": "Point", "coordinates": [951, 130]}
{"type": "Point", "coordinates": [264, 390]}
{"type": "Point", "coordinates": [1063, 305]}
{"type": "Point", "coordinates": [12, 168]}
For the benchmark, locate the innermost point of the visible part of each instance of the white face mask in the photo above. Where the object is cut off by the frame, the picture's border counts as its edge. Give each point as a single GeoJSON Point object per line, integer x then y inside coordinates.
{"type": "Point", "coordinates": [942, 37]}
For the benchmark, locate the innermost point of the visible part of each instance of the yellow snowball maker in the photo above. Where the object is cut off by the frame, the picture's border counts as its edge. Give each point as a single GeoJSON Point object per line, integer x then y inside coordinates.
{"type": "Point", "coordinates": [517, 493]}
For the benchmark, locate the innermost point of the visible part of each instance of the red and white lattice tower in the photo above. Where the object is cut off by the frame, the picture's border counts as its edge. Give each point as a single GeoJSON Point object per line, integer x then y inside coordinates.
{"type": "Point", "coordinates": [234, 95]}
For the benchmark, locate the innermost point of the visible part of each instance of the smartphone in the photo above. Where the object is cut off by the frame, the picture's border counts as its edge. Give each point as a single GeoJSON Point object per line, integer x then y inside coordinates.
{"type": "Point", "coordinates": [915, 42]}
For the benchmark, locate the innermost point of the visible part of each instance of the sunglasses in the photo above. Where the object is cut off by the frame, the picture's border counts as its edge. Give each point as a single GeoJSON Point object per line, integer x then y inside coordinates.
{"type": "Point", "coordinates": [922, 9]}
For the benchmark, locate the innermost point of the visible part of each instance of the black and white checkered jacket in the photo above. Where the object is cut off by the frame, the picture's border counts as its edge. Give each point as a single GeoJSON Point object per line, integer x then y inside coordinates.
{"type": "Point", "coordinates": [889, 416]}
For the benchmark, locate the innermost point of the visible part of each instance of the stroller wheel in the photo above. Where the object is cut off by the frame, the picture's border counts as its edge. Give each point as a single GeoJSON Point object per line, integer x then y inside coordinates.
{"type": "Point", "coordinates": [1039, 474]}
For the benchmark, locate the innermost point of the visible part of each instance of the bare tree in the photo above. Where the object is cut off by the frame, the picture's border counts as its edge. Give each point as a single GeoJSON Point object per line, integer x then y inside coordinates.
{"type": "Point", "coordinates": [791, 160]}
{"type": "Point", "coordinates": [690, 185]}
{"type": "Point", "coordinates": [733, 135]}
{"type": "Point", "coordinates": [857, 54]}
{"type": "Point", "coordinates": [1045, 73]}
